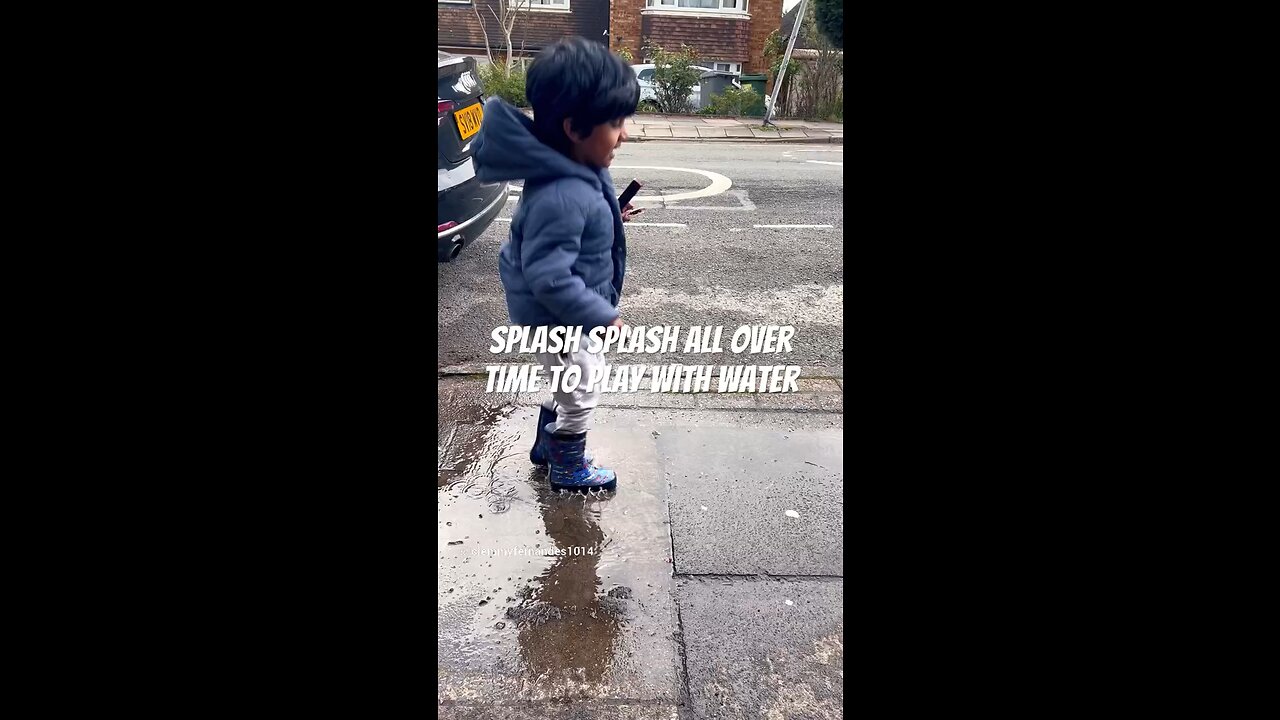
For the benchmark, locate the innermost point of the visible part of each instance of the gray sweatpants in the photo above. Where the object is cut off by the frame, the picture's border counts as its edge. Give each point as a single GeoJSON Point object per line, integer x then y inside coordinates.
{"type": "Point", "coordinates": [573, 409]}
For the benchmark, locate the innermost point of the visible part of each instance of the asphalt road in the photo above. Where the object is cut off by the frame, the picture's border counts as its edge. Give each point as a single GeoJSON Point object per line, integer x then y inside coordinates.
{"type": "Point", "coordinates": [702, 261]}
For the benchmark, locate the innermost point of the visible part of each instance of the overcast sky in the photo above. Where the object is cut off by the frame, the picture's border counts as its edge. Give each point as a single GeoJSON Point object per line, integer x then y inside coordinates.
{"type": "Point", "coordinates": [788, 4]}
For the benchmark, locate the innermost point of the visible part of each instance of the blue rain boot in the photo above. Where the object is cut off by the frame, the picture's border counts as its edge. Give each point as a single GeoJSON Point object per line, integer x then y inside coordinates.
{"type": "Point", "coordinates": [570, 469]}
{"type": "Point", "coordinates": [538, 455]}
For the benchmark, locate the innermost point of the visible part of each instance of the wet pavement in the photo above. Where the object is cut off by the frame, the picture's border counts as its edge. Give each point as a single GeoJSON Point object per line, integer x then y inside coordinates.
{"type": "Point", "coordinates": [764, 647]}
{"type": "Point", "coordinates": [734, 484]}
{"type": "Point", "coordinates": [547, 595]}
{"type": "Point", "coordinates": [564, 605]}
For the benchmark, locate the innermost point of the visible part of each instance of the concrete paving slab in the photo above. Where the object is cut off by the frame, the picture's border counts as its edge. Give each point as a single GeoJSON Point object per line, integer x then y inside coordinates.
{"type": "Point", "coordinates": [723, 122]}
{"type": "Point", "coordinates": [764, 648]}
{"type": "Point", "coordinates": [711, 132]}
{"type": "Point", "coordinates": [764, 134]}
{"type": "Point", "coordinates": [792, 133]}
{"type": "Point", "coordinates": [657, 132]}
{"type": "Point", "coordinates": [549, 597]}
{"type": "Point", "coordinates": [745, 502]}
{"type": "Point", "coordinates": [684, 131]}
{"type": "Point", "coordinates": [739, 131]}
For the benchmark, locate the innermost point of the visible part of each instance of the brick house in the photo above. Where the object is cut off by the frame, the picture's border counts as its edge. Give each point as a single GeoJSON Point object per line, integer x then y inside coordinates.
{"type": "Point", "coordinates": [541, 23]}
{"type": "Point", "coordinates": [726, 34]}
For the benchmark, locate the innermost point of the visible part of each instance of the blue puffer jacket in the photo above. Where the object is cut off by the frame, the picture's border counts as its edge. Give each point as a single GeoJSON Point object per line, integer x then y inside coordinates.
{"type": "Point", "coordinates": [567, 254]}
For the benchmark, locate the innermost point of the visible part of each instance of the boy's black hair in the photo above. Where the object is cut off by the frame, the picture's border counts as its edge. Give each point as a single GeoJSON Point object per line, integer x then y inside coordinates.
{"type": "Point", "coordinates": [580, 80]}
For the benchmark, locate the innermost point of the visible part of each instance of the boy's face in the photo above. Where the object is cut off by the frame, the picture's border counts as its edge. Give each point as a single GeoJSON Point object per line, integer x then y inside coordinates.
{"type": "Point", "coordinates": [597, 148]}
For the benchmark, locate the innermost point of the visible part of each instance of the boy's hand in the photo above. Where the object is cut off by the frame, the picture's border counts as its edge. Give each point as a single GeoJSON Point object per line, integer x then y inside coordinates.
{"type": "Point", "coordinates": [617, 322]}
{"type": "Point", "coordinates": [629, 212]}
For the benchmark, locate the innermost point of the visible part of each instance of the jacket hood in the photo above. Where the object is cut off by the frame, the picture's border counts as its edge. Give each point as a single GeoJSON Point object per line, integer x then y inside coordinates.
{"type": "Point", "coordinates": [507, 149]}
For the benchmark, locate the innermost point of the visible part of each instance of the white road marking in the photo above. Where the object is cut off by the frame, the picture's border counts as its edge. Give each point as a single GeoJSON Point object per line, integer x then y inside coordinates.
{"type": "Point", "coordinates": [719, 184]}
{"type": "Point", "coordinates": [824, 162]}
{"type": "Point", "coordinates": [747, 205]}
{"type": "Point", "coordinates": [502, 219]}
{"type": "Point", "coordinates": [789, 227]}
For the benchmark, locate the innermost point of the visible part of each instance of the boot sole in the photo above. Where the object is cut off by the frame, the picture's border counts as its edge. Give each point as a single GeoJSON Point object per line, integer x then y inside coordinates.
{"type": "Point", "coordinates": [607, 487]}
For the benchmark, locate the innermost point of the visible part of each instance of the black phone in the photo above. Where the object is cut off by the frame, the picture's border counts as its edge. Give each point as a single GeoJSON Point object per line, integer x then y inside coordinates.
{"type": "Point", "coordinates": [629, 193]}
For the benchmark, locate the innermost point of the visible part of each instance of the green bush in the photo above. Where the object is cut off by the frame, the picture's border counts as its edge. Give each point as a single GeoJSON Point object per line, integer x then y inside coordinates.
{"type": "Point", "coordinates": [648, 106]}
{"type": "Point", "coordinates": [832, 111]}
{"type": "Point", "coordinates": [733, 101]}
{"type": "Point", "coordinates": [673, 78]}
{"type": "Point", "coordinates": [496, 81]}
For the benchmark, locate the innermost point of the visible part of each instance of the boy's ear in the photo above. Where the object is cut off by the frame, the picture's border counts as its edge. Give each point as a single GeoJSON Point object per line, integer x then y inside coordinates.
{"type": "Point", "coordinates": [568, 130]}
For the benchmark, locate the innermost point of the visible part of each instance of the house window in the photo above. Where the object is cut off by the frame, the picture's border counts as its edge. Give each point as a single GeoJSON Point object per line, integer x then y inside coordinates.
{"type": "Point", "coordinates": [730, 5]}
{"type": "Point", "coordinates": [728, 67]}
{"type": "Point", "coordinates": [560, 5]}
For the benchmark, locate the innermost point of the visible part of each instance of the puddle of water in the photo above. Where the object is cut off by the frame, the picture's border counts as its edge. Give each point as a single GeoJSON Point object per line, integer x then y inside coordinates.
{"type": "Point", "coordinates": [543, 594]}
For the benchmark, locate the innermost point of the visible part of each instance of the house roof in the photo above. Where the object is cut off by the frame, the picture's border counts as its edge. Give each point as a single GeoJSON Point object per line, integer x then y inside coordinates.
{"type": "Point", "coordinates": [789, 21]}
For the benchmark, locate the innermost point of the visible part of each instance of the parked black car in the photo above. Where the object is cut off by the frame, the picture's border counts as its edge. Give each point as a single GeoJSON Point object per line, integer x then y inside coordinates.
{"type": "Point", "coordinates": [466, 206]}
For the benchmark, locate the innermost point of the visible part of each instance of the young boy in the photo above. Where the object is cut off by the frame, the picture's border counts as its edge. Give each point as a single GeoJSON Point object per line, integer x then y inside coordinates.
{"type": "Point", "coordinates": [564, 261]}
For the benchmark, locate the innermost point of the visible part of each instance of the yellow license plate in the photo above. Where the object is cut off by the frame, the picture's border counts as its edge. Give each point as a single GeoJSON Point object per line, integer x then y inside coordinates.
{"type": "Point", "coordinates": [468, 120]}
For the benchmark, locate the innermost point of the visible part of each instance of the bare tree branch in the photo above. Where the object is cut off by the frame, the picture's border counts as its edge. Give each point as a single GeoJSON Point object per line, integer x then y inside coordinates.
{"type": "Point", "coordinates": [487, 49]}
{"type": "Point", "coordinates": [508, 22]}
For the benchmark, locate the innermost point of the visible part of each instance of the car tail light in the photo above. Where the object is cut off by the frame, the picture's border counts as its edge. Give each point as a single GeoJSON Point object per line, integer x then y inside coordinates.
{"type": "Point", "coordinates": [446, 226]}
{"type": "Point", "coordinates": [442, 108]}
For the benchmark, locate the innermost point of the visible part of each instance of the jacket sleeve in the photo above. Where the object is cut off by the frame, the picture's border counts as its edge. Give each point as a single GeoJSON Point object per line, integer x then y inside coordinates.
{"type": "Point", "coordinates": [552, 241]}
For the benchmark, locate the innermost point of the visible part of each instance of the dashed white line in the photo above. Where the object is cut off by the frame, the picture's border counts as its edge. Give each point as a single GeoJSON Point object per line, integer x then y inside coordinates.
{"type": "Point", "coordinates": [824, 162]}
{"type": "Point", "coordinates": [794, 227]}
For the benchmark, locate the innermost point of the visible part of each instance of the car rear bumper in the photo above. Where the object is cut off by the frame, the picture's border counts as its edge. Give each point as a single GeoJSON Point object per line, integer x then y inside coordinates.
{"type": "Point", "coordinates": [473, 206]}
{"type": "Point", "coordinates": [494, 196]}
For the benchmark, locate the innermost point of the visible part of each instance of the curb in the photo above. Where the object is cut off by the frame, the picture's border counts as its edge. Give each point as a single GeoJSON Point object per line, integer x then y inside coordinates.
{"type": "Point", "coordinates": [831, 140]}
{"type": "Point", "coordinates": [481, 371]}
{"type": "Point", "coordinates": [815, 395]}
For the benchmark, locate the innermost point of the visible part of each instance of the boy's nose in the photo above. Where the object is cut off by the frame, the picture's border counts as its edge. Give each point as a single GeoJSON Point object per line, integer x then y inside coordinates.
{"type": "Point", "coordinates": [622, 137]}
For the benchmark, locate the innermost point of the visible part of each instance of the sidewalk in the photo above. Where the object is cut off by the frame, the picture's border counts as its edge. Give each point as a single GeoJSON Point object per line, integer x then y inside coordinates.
{"type": "Point", "coordinates": [695, 127]}
{"type": "Point", "coordinates": [710, 585]}
{"type": "Point", "coordinates": [686, 128]}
